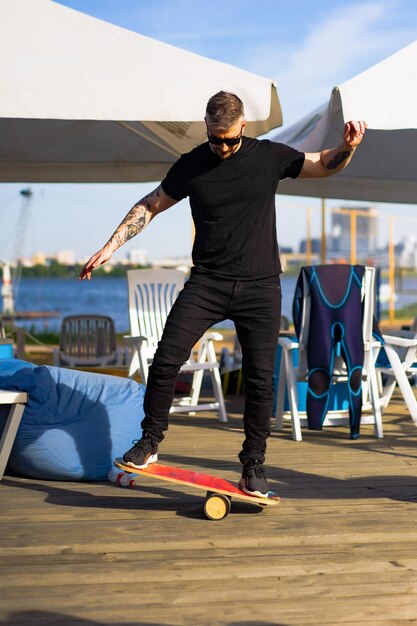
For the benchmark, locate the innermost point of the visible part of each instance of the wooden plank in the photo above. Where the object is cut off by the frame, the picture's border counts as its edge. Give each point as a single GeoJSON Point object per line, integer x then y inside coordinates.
{"type": "Point", "coordinates": [387, 551]}
{"type": "Point", "coordinates": [147, 593]}
{"type": "Point", "coordinates": [340, 549]}
{"type": "Point", "coordinates": [191, 570]}
{"type": "Point", "coordinates": [326, 611]}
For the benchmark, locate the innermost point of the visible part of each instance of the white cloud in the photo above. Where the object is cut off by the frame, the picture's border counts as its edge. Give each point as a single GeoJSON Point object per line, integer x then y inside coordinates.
{"type": "Point", "coordinates": [348, 41]}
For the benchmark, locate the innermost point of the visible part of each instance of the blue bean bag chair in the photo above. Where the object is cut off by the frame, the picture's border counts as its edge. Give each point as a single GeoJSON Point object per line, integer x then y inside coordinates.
{"type": "Point", "coordinates": [74, 424]}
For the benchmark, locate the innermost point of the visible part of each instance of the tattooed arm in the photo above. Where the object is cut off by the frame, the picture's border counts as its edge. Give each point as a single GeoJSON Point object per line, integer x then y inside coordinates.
{"type": "Point", "coordinates": [329, 162]}
{"type": "Point", "coordinates": [135, 221]}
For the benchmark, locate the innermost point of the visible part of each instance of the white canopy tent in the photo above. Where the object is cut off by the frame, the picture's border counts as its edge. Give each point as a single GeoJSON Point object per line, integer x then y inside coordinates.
{"type": "Point", "coordinates": [384, 167]}
{"type": "Point", "coordinates": [86, 101]}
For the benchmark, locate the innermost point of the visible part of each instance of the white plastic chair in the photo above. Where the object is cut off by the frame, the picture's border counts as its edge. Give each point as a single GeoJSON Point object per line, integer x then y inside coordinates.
{"type": "Point", "coordinates": [289, 374]}
{"type": "Point", "coordinates": [151, 296]}
{"type": "Point", "coordinates": [401, 350]}
{"type": "Point", "coordinates": [87, 340]}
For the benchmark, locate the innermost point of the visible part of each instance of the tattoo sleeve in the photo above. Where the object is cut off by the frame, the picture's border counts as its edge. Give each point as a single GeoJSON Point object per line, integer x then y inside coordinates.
{"type": "Point", "coordinates": [337, 160]}
{"type": "Point", "coordinates": [135, 221]}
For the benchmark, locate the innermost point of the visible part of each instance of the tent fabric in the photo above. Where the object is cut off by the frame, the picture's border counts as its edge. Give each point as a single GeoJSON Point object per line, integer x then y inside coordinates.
{"type": "Point", "coordinates": [84, 100]}
{"type": "Point", "coordinates": [383, 168]}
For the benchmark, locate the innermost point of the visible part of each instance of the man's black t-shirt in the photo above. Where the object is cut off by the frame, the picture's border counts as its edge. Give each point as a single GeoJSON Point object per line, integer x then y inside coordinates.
{"type": "Point", "coordinates": [233, 205]}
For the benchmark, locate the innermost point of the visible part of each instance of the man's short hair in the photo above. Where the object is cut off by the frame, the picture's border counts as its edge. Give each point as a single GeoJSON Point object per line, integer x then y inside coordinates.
{"type": "Point", "coordinates": [224, 109]}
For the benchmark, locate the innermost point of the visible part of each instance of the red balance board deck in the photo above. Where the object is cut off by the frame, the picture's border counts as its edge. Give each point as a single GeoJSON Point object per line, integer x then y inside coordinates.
{"type": "Point", "coordinates": [219, 491]}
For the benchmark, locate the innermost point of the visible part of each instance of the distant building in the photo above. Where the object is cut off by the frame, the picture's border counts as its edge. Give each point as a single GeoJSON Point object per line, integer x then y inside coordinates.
{"type": "Point", "coordinates": [366, 232]}
{"type": "Point", "coordinates": [137, 256]}
{"type": "Point", "coordinates": [183, 263]}
{"type": "Point", "coordinates": [65, 257]}
{"type": "Point", "coordinates": [39, 258]}
{"type": "Point", "coordinates": [24, 261]}
{"type": "Point", "coordinates": [315, 243]}
{"type": "Point", "coordinates": [407, 252]}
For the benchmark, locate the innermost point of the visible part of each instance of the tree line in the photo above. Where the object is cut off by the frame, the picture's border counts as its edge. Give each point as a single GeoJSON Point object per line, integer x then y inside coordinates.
{"type": "Point", "coordinates": [54, 269]}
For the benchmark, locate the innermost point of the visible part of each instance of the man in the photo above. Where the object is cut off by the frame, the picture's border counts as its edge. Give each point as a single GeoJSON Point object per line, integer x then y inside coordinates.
{"type": "Point", "coordinates": [231, 181]}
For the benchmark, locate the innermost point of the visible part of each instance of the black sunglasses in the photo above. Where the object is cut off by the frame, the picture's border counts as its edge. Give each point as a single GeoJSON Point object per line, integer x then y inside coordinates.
{"type": "Point", "coordinates": [219, 141]}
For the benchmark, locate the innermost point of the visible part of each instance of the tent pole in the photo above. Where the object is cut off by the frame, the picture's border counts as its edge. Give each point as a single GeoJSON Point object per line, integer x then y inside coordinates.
{"type": "Point", "coordinates": [391, 269]}
{"type": "Point", "coordinates": [323, 252]}
{"type": "Point", "coordinates": [308, 242]}
{"type": "Point", "coordinates": [353, 237]}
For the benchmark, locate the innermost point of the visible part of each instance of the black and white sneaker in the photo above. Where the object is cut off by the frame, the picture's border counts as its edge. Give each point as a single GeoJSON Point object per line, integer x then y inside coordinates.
{"type": "Point", "coordinates": [253, 481]}
{"type": "Point", "coordinates": [143, 452]}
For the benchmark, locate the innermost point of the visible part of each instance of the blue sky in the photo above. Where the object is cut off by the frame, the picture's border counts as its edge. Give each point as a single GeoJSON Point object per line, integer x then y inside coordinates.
{"type": "Point", "coordinates": [306, 46]}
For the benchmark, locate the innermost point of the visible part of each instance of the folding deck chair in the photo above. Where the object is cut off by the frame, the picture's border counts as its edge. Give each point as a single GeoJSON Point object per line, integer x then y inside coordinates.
{"type": "Point", "coordinates": [307, 320]}
{"type": "Point", "coordinates": [400, 368]}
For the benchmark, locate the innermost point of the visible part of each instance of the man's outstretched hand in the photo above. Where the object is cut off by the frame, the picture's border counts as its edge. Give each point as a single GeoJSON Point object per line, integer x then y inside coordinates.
{"type": "Point", "coordinates": [353, 133]}
{"type": "Point", "coordinates": [96, 260]}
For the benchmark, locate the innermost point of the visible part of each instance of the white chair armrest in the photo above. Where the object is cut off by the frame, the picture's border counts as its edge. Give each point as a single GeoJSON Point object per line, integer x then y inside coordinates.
{"type": "Point", "coordinates": [399, 341]}
{"type": "Point", "coordinates": [287, 344]}
{"type": "Point", "coordinates": [372, 344]}
{"type": "Point", "coordinates": [212, 335]}
{"type": "Point", "coordinates": [132, 340]}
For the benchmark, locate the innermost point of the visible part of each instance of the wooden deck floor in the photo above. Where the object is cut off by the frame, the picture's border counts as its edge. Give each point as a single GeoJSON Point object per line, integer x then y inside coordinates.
{"type": "Point", "coordinates": [340, 549]}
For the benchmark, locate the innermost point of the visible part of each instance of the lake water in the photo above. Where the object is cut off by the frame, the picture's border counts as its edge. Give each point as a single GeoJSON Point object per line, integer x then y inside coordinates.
{"type": "Point", "coordinates": [108, 296]}
{"type": "Point", "coordinates": [104, 296]}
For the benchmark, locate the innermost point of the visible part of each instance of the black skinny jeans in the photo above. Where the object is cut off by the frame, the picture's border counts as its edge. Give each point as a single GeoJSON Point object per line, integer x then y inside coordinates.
{"type": "Point", "coordinates": [255, 308]}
